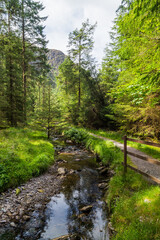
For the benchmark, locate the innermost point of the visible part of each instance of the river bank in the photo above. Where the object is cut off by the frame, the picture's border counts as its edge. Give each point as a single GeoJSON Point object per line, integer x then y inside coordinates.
{"type": "Point", "coordinates": [73, 183]}
{"type": "Point", "coordinates": [133, 202]}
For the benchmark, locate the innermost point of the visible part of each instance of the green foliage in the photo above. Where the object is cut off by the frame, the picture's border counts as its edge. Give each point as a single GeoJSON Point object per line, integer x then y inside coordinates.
{"type": "Point", "coordinates": [105, 149]}
{"type": "Point", "coordinates": [22, 59]}
{"type": "Point", "coordinates": [78, 87]}
{"type": "Point", "coordinates": [133, 202]}
{"type": "Point", "coordinates": [130, 69]}
{"type": "Point", "coordinates": [23, 153]}
{"type": "Point", "coordinates": [76, 135]}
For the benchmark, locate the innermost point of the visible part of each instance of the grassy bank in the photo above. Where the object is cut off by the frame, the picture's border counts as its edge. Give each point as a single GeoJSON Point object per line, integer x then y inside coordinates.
{"type": "Point", "coordinates": [133, 203]}
{"type": "Point", "coordinates": [23, 153]}
{"type": "Point", "coordinates": [117, 136]}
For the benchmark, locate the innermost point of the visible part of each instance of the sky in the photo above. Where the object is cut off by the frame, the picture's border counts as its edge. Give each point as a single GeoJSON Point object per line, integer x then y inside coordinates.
{"type": "Point", "coordinates": [64, 16]}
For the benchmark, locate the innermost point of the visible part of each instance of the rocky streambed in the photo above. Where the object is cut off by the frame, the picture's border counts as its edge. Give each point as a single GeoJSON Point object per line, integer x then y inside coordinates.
{"type": "Point", "coordinates": [64, 203]}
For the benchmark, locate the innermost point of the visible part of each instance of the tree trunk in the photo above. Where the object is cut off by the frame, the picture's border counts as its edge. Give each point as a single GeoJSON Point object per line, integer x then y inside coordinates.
{"type": "Point", "coordinates": [11, 80]}
{"type": "Point", "coordinates": [79, 80]}
{"type": "Point", "coordinates": [24, 67]}
{"type": "Point", "coordinates": [39, 93]}
{"type": "Point", "coordinates": [49, 110]}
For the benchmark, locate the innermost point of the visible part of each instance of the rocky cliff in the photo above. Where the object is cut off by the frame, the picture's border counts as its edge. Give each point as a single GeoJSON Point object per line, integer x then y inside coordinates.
{"type": "Point", "coordinates": [55, 58]}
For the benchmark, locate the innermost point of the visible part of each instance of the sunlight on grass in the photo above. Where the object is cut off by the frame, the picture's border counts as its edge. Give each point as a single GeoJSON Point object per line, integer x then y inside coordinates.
{"type": "Point", "coordinates": [117, 136]}
{"type": "Point", "coordinates": [23, 153]}
{"type": "Point", "coordinates": [132, 202]}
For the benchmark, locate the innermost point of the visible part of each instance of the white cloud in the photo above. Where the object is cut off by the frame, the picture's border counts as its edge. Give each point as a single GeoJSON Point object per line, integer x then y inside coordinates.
{"type": "Point", "coordinates": [66, 15]}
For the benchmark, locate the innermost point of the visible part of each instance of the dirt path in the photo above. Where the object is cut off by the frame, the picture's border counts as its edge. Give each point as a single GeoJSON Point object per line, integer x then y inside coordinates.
{"type": "Point", "coordinates": [151, 169]}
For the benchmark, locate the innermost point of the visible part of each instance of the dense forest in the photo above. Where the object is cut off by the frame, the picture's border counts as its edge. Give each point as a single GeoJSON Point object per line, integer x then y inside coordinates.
{"type": "Point", "coordinates": [63, 121]}
{"type": "Point", "coordinates": [122, 95]}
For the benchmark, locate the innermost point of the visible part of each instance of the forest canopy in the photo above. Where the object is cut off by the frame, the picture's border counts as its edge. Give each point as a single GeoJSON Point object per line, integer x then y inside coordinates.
{"type": "Point", "coordinates": [122, 95]}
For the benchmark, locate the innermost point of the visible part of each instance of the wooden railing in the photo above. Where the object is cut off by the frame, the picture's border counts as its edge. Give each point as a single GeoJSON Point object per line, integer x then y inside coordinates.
{"type": "Point", "coordinates": [145, 158]}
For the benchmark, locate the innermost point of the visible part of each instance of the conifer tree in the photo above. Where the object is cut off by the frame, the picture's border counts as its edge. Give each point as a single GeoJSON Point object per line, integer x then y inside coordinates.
{"type": "Point", "coordinates": [33, 44]}
{"type": "Point", "coordinates": [80, 47]}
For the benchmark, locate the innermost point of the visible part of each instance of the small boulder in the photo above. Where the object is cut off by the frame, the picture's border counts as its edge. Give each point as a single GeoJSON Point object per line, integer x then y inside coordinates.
{"type": "Point", "coordinates": [61, 171]}
{"type": "Point", "coordinates": [102, 185]}
{"type": "Point", "coordinates": [26, 218]}
{"type": "Point", "coordinates": [13, 224]}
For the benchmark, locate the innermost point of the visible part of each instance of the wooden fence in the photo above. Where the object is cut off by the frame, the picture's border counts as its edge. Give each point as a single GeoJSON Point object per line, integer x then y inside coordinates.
{"type": "Point", "coordinates": [145, 158]}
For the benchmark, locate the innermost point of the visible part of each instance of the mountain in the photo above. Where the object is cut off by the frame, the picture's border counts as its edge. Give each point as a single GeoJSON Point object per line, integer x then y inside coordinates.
{"type": "Point", "coordinates": [55, 58]}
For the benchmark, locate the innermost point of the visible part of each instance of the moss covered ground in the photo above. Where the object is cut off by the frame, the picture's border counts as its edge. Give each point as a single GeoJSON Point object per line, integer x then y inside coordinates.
{"type": "Point", "coordinates": [24, 153]}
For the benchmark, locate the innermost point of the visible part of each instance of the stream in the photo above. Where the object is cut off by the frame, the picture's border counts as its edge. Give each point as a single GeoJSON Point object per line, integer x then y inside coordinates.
{"type": "Point", "coordinates": [78, 210]}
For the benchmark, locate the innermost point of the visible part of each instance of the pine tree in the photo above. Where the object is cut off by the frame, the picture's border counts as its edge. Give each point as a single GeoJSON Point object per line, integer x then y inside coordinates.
{"type": "Point", "coordinates": [80, 46]}
{"type": "Point", "coordinates": [33, 45]}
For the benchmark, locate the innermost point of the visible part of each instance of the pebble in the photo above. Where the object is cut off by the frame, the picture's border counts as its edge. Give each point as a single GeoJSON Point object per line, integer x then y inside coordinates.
{"type": "Point", "coordinates": [13, 224]}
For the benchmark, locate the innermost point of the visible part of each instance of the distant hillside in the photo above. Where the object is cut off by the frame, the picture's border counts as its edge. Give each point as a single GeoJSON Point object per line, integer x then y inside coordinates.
{"type": "Point", "coordinates": [55, 58]}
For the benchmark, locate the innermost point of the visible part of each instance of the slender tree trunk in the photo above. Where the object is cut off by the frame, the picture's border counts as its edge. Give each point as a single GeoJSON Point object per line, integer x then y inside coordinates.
{"type": "Point", "coordinates": [49, 110]}
{"type": "Point", "coordinates": [39, 93]}
{"type": "Point", "coordinates": [79, 90]}
{"type": "Point", "coordinates": [66, 83]}
{"type": "Point", "coordinates": [11, 93]}
{"type": "Point", "coordinates": [24, 66]}
{"type": "Point", "coordinates": [79, 78]}
{"type": "Point", "coordinates": [44, 97]}
{"type": "Point", "coordinates": [10, 68]}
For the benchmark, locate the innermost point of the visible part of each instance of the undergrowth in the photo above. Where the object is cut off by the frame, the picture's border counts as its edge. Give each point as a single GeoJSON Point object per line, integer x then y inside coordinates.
{"type": "Point", "coordinates": [23, 153]}
{"type": "Point", "coordinates": [133, 202]}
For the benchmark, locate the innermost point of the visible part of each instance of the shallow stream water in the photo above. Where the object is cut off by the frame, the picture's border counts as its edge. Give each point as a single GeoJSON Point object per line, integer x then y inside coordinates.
{"type": "Point", "coordinates": [64, 215]}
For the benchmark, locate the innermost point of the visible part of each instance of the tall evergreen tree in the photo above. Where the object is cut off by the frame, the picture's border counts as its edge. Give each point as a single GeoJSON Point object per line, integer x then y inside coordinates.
{"type": "Point", "coordinates": [22, 57]}
{"type": "Point", "coordinates": [33, 43]}
{"type": "Point", "coordinates": [80, 47]}
{"type": "Point", "coordinates": [137, 31]}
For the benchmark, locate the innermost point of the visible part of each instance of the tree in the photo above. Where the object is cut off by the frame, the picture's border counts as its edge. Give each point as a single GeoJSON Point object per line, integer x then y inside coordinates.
{"type": "Point", "coordinates": [23, 58]}
{"type": "Point", "coordinates": [33, 43]}
{"type": "Point", "coordinates": [80, 47]}
{"type": "Point", "coordinates": [10, 59]}
{"type": "Point", "coordinates": [137, 33]}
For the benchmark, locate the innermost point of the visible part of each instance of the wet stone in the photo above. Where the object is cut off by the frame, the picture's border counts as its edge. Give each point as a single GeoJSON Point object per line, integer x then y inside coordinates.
{"type": "Point", "coordinates": [62, 171]}
{"type": "Point", "coordinates": [102, 185]}
{"type": "Point", "coordinates": [26, 218]}
{"type": "Point", "coordinates": [61, 161]}
{"type": "Point", "coordinates": [86, 209]}
{"type": "Point", "coordinates": [104, 171]}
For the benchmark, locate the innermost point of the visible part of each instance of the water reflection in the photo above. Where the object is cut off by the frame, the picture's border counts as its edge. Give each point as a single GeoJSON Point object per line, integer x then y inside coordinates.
{"type": "Point", "coordinates": [64, 215]}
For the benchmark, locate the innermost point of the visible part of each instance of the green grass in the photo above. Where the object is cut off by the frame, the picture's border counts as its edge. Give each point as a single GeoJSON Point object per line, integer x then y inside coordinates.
{"type": "Point", "coordinates": [135, 207]}
{"type": "Point", "coordinates": [117, 136]}
{"type": "Point", "coordinates": [23, 153]}
{"type": "Point", "coordinates": [133, 202]}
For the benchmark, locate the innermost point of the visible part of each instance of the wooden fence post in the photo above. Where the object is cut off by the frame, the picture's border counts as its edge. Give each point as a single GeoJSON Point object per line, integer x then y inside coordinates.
{"type": "Point", "coordinates": [125, 154]}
